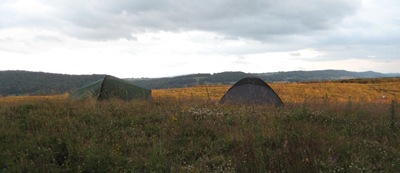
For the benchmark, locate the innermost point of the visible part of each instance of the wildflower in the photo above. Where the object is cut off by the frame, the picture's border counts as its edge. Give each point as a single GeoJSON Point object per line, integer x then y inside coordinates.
{"type": "Point", "coordinates": [173, 117]}
{"type": "Point", "coordinates": [306, 160]}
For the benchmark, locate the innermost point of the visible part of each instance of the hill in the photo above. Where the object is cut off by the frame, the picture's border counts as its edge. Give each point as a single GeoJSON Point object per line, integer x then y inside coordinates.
{"type": "Point", "coordinates": [232, 77]}
{"type": "Point", "coordinates": [40, 83]}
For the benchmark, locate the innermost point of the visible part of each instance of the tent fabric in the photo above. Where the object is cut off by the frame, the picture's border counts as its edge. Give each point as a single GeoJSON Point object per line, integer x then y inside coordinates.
{"type": "Point", "coordinates": [112, 87]}
{"type": "Point", "coordinates": [251, 90]}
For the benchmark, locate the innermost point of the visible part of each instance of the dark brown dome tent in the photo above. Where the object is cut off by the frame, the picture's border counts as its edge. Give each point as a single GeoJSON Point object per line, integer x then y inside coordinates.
{"type": "Point", "coordinates": [251, 90]}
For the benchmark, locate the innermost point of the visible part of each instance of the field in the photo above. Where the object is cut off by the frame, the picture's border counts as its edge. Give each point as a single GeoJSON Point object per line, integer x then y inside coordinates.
{"type": "Point", "coordinates": [300, 92]}
{"type": "Point", "coordinates": [323, 127]}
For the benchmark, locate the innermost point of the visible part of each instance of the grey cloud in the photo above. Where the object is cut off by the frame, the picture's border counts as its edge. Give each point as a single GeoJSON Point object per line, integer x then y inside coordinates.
{"type": "Point", "coordinates": [359, 43]}
{"type": "Point", "coordinates": [46, 38]}
{"type": "Point", "coordinates": [259, 19]}
{"type": "Point", "coordinates": [295, 54]}
{"type": "Point", "coordinates": [284, 25]}
{"type": "Point", "coordinates": [241, 60]}
{"type": "Point", "coordinates": [383, 52]}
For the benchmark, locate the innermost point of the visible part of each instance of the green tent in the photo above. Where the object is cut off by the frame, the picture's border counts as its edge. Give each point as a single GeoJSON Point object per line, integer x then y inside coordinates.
{"type": "Point", "coordinates": [112, 87]}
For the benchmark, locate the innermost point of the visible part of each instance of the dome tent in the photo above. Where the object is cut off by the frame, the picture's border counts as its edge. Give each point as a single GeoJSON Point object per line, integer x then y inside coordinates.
{"type": "Point", "coordinates": [251, 90]}
{"type": "Point", "coordinates": [112, 87]}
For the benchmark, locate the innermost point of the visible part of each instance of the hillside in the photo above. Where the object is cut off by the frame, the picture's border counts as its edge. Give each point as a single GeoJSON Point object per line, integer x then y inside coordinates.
{"type": "Point", "coordinates": [39, 83]}
{"type": "Point", "coordinates": [232, 77]}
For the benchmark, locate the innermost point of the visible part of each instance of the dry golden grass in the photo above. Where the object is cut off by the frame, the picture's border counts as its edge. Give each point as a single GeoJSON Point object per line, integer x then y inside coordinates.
{"type": "Point", "coordinates": [289, 92]}
{"type": "Point", "coordinates": [27, 99]}
{"type": "Point", "coordinates": [300, 92]}
{"type": "Point", "coordinates": [340, 92]}
{"type": "Point", "coordinates": [198, 92]}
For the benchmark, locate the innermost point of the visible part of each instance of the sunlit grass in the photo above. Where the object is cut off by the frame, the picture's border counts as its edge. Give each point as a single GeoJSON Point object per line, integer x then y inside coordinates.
{"type": "Point", "coordinates": [32, 98]}
{"type": "Point", "coordinates": [300, 92]}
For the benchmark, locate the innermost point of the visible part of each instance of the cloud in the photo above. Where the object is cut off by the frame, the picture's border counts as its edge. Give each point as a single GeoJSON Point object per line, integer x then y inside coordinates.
{"type": "Point", "coordinates": [295, 54]}
{"type": "Point", "coordinates": [241, 61]}
{"type": "Point", "coordinates": [259, 20]}
{"type": "Point", "coordinates": [267, 35]}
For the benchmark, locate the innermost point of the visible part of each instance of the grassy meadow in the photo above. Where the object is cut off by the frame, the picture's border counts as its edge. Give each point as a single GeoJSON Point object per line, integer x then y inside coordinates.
{"type": "Point", "coordinates": [323, 127]}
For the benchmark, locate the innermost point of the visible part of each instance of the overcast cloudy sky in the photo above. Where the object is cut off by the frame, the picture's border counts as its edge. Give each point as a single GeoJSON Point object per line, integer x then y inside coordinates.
{"type": "Point", "coordinates": [157, 38]}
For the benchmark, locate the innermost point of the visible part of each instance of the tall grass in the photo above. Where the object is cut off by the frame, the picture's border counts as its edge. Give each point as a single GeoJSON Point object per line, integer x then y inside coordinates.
{"type": "Point", "coordinates": [195, 135]}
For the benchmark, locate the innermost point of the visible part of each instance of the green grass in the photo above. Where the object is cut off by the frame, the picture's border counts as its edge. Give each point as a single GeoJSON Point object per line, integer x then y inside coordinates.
{"type": "Point", "coordinates": [169, 135]}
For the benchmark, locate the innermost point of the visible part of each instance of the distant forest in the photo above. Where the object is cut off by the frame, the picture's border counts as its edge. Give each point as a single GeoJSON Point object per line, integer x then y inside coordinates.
{"type": "Point", "coordinates": [227, 78]}
{"type": "Point", "coordinates": [40, 83]}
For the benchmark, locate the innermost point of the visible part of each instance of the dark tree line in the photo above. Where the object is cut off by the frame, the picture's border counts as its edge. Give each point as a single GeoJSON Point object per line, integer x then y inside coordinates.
{"type": "Point", "coordinates": [40, 83]}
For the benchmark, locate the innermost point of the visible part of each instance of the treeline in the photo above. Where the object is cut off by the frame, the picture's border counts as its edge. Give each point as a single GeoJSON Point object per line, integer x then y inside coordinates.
{"type": "Point", "coordinates": [318, 75]}
{"type": "Point", "coordinates": [169, 82]}
{"type": "Point", "coordinates": [224, 78]}
{"type": "Point", "coordinates": [227, 78]}
{"type": "Point", "coordinates": [40, 83]}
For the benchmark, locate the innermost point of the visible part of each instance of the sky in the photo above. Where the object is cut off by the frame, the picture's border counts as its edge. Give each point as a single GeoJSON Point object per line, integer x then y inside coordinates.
{"type": "Point", "coordinates": [161, 38]}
